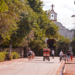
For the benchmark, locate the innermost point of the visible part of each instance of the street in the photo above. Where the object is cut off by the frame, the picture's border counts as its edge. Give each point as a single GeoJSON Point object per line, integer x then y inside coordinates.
{"type": "Point", "coordinates": [34, 67]}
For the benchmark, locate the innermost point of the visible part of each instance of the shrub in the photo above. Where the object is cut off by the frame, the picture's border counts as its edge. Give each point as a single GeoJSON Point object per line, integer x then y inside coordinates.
{"type": "Point", "coordinates": [7, 56]}
{"type": "Point", "coordinates": [2, 56]}
{"type": "Point", "coordinates": [15, 55]}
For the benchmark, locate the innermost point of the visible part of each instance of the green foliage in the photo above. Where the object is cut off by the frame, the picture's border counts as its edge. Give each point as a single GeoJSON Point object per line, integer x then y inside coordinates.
{"type": "Point", "coordinates": [7, 56]}
{"type": "Point", "coordinates": [62, 39]}
{"type": "Point", "coordinates": [43, 20]}
{"type": "Point", "coordinates": [62, 44]}
{"type": "Point", "coordinates": [36, 5]}
{"type": "Point", "coordinates": [16, 55]}
{"type": "Point", "coordinates": [52, 31]}
{"type": "Point", "coordinates": [3, 6]}
{"type": "Point", "coordinates": [73, 45]}
{"type": "Point", "coordinates": [73, 42]}
{"type": "Point", "coordinates": [38, 44]}
{"type": "Point", "coordinates": [43, 27]}
{"type": "Point", "coordinates": [19, 29]}
{"type": "Point", "coordinates": [23, 30]}
{"type": "Point", "coordinates": [1, 39]}
{"type": "Point", "coordinates": [9, 13]}
{"type": "Point", "coordinates": [21, 18]}
{"type": "Point", "coordinates": [2, 56]}
{"type": "Point", "coordinates": [24, 26]}
{"type": "Point", "coordinates": [39, 38]}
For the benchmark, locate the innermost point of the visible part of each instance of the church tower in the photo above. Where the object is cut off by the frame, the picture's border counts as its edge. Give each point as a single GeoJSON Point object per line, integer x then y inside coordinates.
{"type": "Point", "coordinates": [53, 14]}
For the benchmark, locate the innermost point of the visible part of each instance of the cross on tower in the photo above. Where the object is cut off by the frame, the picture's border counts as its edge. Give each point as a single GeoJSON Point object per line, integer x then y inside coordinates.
{"type": "Point", "coordinates": [52, 6]}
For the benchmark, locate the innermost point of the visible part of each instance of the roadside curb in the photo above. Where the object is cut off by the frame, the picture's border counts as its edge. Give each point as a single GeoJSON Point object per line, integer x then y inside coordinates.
{"type": "Point", "coordinates": [69, 68]}
{"type": "Point", "coordinates": [61, 69]}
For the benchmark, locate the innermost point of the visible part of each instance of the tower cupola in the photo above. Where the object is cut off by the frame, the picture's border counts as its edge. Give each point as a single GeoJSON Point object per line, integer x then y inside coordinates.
{"type": "Point", "coordinates": [53, 14]}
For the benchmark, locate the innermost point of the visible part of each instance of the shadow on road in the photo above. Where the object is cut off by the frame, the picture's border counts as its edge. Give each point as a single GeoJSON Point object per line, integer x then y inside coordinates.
{"type": "Point", "coordinates": [41, 61]}
{"type": "Point", "coordinates": [38, 60]}
{"type": "Point", "coordinates": [70, 63]}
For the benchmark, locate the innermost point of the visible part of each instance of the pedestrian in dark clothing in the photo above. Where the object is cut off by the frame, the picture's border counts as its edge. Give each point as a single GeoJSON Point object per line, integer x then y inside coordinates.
{"type": "Point", "coordinates": [61, 54]}
{"type": "Point", "coordinates": [68, 55]}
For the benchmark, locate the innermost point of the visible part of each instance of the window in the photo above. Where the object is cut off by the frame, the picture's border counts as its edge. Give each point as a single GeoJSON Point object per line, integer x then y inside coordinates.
{"type": "Point", "coordinates": [52, 16]}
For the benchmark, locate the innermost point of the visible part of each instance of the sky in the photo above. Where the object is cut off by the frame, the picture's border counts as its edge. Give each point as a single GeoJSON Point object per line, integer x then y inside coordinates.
{"type": "Point", "coordinates": [64, 9]}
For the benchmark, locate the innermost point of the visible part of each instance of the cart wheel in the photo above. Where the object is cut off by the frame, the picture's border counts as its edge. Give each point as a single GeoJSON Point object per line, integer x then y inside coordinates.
{"type": "Point", "coordinates": [43, 58]}
{"type": "Point", "coordinates": [48, 59]}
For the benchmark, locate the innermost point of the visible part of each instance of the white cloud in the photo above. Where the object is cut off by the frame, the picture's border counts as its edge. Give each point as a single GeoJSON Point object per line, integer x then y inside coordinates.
{"type": "Point", "coordinates": [64, 8]}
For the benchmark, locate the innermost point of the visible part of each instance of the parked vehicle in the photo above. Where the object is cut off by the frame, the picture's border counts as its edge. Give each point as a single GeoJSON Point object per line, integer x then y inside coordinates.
{"type": "Point", "coordinates": [46, 54]}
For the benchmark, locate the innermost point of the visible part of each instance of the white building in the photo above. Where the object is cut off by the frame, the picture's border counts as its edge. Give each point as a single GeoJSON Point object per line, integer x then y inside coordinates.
{"type": "Point", "coordinates": [62, 30]}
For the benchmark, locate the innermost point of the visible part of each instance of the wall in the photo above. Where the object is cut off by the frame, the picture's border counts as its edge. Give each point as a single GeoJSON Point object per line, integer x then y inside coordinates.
{"type": "Point", "coordinates": [65, 32]}
{"type": "Point", "coordinates": [55, 15]}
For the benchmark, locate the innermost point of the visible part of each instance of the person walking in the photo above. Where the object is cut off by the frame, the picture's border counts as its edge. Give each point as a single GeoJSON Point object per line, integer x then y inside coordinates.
{"type": "Point", "coordinates": [61, 54]}
{"type": "Point", "coordinates": [68, 55]}
{"type": "Point", "coordinates": [53, 53]}
{"type": "Point", "coordinates": [71, 56]}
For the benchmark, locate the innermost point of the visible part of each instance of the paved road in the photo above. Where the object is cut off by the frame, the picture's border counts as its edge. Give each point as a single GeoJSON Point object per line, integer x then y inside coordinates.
{"type": "Point", "coordinates": [34, 67]}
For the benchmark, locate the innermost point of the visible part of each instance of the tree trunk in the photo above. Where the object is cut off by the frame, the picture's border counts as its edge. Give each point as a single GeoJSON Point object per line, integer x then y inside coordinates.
{"type": "Point", "coordinates": [10, 49]}
{"type": "Point", "coordinates": [1, 40]}
{"type": "Point", "coordinates": [26, 51]}
{"type": "Point", "coordinates": [22, 53]}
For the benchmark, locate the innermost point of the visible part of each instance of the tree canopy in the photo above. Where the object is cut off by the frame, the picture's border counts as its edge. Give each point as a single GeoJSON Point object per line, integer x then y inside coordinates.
{"type": "Point", "coordinates": [20, 17]}
{"type": "Point", "coordinates": [9, 16]}
{"type": "Point", "coordinates": [62, 44]}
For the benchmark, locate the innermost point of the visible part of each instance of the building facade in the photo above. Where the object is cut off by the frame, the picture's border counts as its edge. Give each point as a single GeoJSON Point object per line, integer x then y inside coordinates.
{"type": "Point", "coordinates": [62, 30]}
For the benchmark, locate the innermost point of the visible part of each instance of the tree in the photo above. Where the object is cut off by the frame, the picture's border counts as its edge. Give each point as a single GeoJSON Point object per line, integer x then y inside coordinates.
{"type": "Point", "coordinates": [73, 45]}
{"type": "Point", "coordinates": [9, 13]}
{"type": "Point", "coordinates": [26, 17]}
{"type": "Point", "coordinates": [73, 42]}
{"type": "Point", "coordinates": [1, 39]}
{"type": "Point", "coordinates": [38, 42]}
{"type": "Point", "coordinates": [62, 44]}
{"type": "Point", "coordinates": [45, 27]}
{"type": "Point", "coordinates": [43, 21]}
{"type": "Point", "coordinates": [10, 19]}
{"type": "Point", "coordinates": [25, 25]}
{"type": "Point", "coordinates": [36, 5]}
